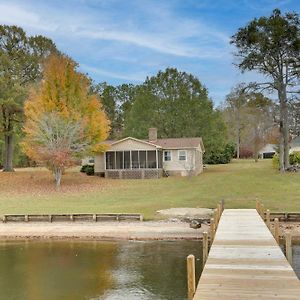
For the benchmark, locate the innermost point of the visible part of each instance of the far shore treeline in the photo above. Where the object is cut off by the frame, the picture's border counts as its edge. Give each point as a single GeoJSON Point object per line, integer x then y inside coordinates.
{"type": "Point", "coordinates": [175, 102]}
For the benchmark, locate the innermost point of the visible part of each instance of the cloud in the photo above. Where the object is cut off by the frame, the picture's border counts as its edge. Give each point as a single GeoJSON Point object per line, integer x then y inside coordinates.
{"type": "Point", "coordinates": [166, 36]}
{"type": "Point", "coordinates": [128, 77]}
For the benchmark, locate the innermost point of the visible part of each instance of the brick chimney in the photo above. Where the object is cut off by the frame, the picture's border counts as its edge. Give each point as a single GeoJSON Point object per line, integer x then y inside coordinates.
{"type": "Point", "coordinates": [152, 135]}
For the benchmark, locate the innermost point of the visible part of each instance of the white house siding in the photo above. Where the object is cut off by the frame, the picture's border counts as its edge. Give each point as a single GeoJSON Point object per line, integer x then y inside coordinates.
{"type": "Point", "coordinates": [99, 163]}
{"type": "Point", "coordinates": [131, 144]}
{"type": "Point", "coordinates": [192, 166]}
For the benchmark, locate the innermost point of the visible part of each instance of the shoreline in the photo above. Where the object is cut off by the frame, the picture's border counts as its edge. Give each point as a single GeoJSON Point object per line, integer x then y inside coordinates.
{"type": "Point", "coordinates": [114, 231]}
{"type": "Point", "coordinates": [110, 231]}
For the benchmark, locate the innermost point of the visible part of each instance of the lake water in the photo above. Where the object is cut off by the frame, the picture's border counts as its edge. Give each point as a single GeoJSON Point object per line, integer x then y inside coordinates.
{"type": "Point", "coordinates": [71, 270]}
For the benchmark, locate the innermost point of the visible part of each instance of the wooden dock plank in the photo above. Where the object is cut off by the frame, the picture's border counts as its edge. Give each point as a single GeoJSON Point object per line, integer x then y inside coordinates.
{"type": "Point", "coordinates": [245, 262]}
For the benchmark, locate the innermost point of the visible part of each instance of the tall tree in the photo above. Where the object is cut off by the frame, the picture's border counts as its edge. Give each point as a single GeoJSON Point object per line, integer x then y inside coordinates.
{"type": "Point", "coordinates": [260, 120]}
{"type": "Point", "coordinates": [271, 46]}
{"type": "Point", "coordinates": [178, 105]}
{"type": "Point", "coordinates": [64, 121]}
{"type": "Point", "coordinates": [20, 65]}
{"type": "Point", "coordinates": [234, 114]}
{"type": "Point", "coordinates": [117, 102]}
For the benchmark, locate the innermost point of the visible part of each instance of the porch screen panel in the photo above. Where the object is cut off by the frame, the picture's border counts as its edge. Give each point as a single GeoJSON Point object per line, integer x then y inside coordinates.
{"type": "Point", "coordinates": [135, 159]}
{"type": "Point", "coordinates": [110, 160]}
{"type": "Point", "coordinates": [151, 155]}
{"type": "Point", "coordinates": [126, 159]}
{"type": "Point", "coordinates": [143, 159]}
{"type": "Point", "coordinates": [119, 160]}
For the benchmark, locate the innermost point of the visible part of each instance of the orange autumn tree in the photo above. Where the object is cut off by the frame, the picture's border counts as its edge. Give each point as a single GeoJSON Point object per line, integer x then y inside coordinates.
{"type": "Point", "coordinates": [64, 122]}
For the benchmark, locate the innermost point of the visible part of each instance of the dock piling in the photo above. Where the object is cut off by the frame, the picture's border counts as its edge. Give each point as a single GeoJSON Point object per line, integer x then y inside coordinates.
{"type": "Point", "coordinates": [205, 247]}
{"type": "Point", "coordinates": [288, 248]}
{"type": "Point", "coordinates": [276, 230]}
{"type": "Point", "coordinates": [191, 277]}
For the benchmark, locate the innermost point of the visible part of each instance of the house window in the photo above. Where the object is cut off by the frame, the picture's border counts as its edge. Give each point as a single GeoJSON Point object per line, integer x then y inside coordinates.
{"type": "Point", "coordinates": [167, 155]}
{"type": "Point", "coordinates": [182, 155]}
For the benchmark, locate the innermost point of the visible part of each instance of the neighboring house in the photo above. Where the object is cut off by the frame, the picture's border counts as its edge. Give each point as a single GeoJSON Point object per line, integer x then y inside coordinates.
{"type": "Point", "coordinates": [135, 158]}
{"type": "Point", "coordinates": [268, 151]}
{"type": "Point", "coordinates": [295, 144]}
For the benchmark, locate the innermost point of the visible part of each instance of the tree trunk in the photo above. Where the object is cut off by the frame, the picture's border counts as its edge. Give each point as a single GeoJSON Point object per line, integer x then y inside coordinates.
{"type": "Point", "coordinates": [238, 138]}
{"type": "Point", "coordinates": [57, 177]}
{"type": "Point", "coordinates": [284, 131]}
{"type": "Point", "coordinates": [8, 153]}
{"type": "Point", "coordinates": [238, 145]}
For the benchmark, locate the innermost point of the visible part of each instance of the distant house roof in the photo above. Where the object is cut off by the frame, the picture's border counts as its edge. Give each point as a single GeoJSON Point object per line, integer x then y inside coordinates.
{"type": "Point", "coordinates": [168, 143]}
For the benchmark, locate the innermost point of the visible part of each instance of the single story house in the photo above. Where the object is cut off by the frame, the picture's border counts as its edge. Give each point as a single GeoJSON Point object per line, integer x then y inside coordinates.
{"type": "Point", "coordinates": [268, 151]}
{"type": "Point", "coordinates": [151, 158]}
{"type": "Point", "coordinates": [295, 144]}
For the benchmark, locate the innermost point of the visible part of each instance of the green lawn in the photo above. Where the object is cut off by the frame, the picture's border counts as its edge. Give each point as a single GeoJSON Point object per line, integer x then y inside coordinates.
{"type": "Point", "coordinates": [239, 184]}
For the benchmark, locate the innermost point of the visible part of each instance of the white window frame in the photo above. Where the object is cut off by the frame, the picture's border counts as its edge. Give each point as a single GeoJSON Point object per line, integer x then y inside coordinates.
{"type": "Point", "coordinates": [170, 155]}
{"type": "Point", "coordinates": [185, 154]}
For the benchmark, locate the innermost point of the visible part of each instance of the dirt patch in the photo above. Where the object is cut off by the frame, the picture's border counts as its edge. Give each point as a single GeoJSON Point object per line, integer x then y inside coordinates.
{"type": "Point", "coordinates": [187, 213]}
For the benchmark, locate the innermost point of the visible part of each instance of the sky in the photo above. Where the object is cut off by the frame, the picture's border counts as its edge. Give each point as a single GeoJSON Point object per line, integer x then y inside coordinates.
{"type": "Point", "coordinates": [123, 41]}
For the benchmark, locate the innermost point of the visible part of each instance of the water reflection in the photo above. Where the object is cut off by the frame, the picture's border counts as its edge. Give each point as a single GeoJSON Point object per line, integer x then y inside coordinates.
{"type": "Point", "coordinates": [95, 270]}
{"type": "Point", "coordinates": [98, 270]}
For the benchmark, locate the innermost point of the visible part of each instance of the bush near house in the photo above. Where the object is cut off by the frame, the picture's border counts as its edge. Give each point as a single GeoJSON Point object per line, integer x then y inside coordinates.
{"type": "Point", "coordinates": [88, 170]}
{"type": "Point", "coordinates": [222, 156]}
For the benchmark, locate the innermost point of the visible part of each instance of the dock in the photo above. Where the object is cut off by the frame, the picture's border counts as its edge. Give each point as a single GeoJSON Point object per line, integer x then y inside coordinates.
{"type": "Point", "coordinates": [245, 262]}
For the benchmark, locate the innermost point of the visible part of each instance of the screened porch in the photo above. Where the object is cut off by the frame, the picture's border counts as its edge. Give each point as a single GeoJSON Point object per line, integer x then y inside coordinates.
{"type": "Point", "coordinates": [133, 160]}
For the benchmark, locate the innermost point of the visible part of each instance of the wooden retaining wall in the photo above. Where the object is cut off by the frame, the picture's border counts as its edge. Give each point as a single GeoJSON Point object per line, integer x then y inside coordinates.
{"type": "Point", "coordinates": [79, 217]}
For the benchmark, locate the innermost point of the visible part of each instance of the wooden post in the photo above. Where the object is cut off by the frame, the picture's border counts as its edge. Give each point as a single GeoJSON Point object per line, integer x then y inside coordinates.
{"type": "Point", "coordinates": [219, 210]}
{"type": "Point", "coordinates": [26, 218]}
{"type": "Point", "coordinates": [216, 218]}
{"type": "Point", "coordinates": [263, 212]}
{"type": "Point", "coordinates": [191, 279]}
{"type": "Point", "coordinates": [205, 247]}
{"type": "Point", "coordinates": [276, 230]}
{"type": "Point", "coordinates": [257, 206]}
{"type": "Point", "coordinates": [222, 205]}
{"type": "Point", "coordinates": [268, 218]}
{"type": "Point", "coordinates": [4, 218]}
{"type": "Point", "coordinates": [212, 230]}
{"type": "Point", "coordinates": [94, 217]}
{"type": "Point", "coordinates": [288, 248]}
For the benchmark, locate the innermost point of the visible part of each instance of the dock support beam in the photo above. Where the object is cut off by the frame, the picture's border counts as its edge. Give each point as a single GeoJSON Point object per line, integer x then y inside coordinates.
{"type": "Point", "coordinates": [191, 276]}
{"type": "Point", "coordinates": [205, 247]}
{"type": "Point", "coordinates": [268, 218]}
{"type": "Point", "coordinates": [276, 230]}
{"type": "Point", "coordinates": [288, 248]}
{"type": "Point", "coordinates": [212, 230]}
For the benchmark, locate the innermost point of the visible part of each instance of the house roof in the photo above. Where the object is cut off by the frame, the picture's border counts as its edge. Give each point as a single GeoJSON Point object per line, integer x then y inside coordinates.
{"type": "Point", "coordinates": [167, 143]}
{"type": "Point", "coordinates": [176, 143]}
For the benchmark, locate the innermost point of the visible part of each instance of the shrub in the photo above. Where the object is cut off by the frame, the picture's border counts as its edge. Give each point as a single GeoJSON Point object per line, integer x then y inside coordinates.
{"type": "Point", "coordinates": [88, 170]}
{"type": "Point", "coordinates": [221, 156]}
{"type": "Point", "coordinates": [293, 157]}
{"type": "Point", "coordinates": [246, 153]}
{"type": "Point", "coordinates": [275, 161]}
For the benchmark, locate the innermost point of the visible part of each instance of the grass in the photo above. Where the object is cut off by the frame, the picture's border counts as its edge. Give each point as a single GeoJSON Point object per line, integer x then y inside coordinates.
{"type": "Point", "coordinates": [239, 184]}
